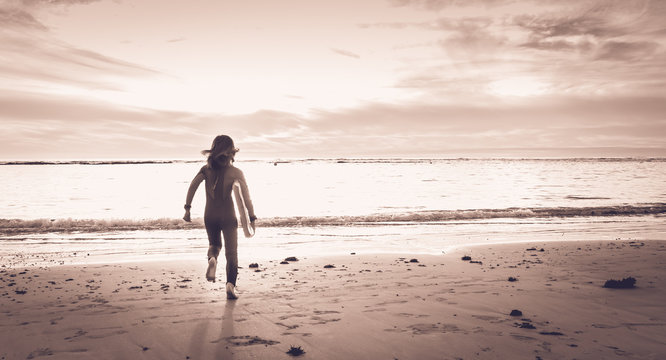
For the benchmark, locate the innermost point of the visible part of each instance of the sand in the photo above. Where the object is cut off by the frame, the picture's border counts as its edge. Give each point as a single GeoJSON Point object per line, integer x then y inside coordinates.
{"type": "Point", "coordinates": [364, 306]}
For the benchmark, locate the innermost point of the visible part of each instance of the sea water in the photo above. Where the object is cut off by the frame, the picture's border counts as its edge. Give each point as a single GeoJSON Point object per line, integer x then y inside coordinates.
{"type": "Point", "coordinates": [331, 206]}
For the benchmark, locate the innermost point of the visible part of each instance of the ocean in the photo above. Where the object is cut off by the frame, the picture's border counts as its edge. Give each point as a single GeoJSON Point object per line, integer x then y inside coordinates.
{"type": "Point", "coordinates": [121, 210]}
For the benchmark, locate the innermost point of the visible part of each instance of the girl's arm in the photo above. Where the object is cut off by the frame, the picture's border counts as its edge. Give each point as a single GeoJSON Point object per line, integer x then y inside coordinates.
{"type": "Point", "coordinates": [194, 185]}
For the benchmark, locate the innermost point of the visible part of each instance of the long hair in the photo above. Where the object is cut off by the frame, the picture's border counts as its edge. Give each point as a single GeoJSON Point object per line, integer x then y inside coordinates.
{"type": "Point", "coordinates": [221, 152]}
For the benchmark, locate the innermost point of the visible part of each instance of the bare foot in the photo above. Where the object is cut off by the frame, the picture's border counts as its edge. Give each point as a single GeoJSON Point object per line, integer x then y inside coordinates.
{"type": "Point", "coordinates": [210, 272]}
{"type": "Point", "coordinates": [231, 291]}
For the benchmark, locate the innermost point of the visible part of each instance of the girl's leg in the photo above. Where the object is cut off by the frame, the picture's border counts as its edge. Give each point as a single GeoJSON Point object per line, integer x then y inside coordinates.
{"type": "Point", "coordinates": [231, 252]}
{"type": "Point", "coordinates": [214, 239]}
{"type": "Point", "coordinates": [214, 247]}
{"type": "Point", "coordinates": [213, 251]}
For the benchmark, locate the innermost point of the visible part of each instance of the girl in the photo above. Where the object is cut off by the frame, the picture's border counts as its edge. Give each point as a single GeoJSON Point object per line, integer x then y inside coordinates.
{"type": "Point", "coordinates": [219, 216]}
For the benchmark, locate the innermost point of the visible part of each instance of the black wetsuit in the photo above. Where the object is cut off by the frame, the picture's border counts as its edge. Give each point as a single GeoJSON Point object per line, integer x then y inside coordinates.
{"type": "Point", "coordinates": [220, 218]}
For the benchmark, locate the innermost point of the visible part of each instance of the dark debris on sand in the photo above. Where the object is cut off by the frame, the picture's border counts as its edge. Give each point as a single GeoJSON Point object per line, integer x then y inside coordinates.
{"type": "Point", "coordinates": [291, 258]}
{"type": "Point", "coordinates": [295, 351]}
{"type": "Point", "coordinates": [516, 313]}
{"type": "Point", "coordinates": [466, 258]}
{"type": "Point", "coordinates": [626, 283]}
{"type": "Point", "coordinates": [525, 325]}
{"type": "Point", "coordinates": [554, 333]}
{"type": "Point", "coordinates": [329, 266]}
{"type": "Point", "coordinates": [254, 265]}
{"type": "Point", "coordinates": [512, 279]}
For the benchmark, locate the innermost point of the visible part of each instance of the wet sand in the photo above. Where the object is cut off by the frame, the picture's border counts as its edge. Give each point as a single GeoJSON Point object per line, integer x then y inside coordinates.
{"type": "Point", "coordinates": [362, 306]}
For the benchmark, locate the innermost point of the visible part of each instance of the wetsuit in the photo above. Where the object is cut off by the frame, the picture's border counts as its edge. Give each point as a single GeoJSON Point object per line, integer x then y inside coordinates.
{"type": "Point", "coordinates": [220, 216]}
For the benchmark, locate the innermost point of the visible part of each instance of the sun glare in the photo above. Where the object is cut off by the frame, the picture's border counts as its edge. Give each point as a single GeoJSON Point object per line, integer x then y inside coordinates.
{"type": "Point", "coordinates": [521, 87]}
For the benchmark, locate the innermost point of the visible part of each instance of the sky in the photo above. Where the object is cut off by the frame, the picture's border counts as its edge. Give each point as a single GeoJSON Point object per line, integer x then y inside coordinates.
{"type": "Point", "coordinates": [159, 79]}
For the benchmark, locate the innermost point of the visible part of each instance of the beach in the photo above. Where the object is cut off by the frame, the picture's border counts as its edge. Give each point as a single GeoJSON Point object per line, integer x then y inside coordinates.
{"type": "Point", "coordinates": [96, 261]}
{"type": "Point", "coordinates": [354, 306]}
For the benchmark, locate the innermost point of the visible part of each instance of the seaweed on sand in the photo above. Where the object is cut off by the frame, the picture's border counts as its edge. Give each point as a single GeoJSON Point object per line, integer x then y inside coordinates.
{"type": "Point", "coordinates": [626, 283]}
{"type": "Point", "coordinates": [295, 351]}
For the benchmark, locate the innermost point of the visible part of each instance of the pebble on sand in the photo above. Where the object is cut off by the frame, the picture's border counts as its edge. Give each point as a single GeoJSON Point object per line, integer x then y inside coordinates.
{"type": "Point", "coordinates": [516, 313]}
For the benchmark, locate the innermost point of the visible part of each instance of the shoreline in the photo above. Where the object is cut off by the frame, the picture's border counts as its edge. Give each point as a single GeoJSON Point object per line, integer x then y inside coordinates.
{"type": "Point", "coordinates": [271, 243]}
{"type": "Point", "coordinates": [365, 306]}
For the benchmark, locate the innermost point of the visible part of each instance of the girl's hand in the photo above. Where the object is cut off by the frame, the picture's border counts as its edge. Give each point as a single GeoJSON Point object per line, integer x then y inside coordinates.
{"type": "Point", "coordinates": [187, 216]}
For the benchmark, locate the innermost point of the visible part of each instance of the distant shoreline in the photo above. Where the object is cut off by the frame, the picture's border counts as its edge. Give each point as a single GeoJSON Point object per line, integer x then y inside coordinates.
{"type": "Point", "coordinates": [337, 160]}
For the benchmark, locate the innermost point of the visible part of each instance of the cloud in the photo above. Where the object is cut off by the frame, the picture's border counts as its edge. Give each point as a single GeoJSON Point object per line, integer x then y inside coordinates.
{"type": "Point", "coordinates": [18, 18]}
{"type": "Point", "coordinates": [575, 48]}
{"type": "Point", "coordinates": [441, 4]}
{"type": "Point", "coordinates": [53, 126]}
{"type": "Point", "coordinates": [33, 57]}
{"type": "Point", "coordinates": [597, 26]}
{"type": "Point", "coordinates": [37, 126]}
{"type": "Point", "coordinates": [588, 23]}
{"type": "Point", "coordinates": [395, 130]}
{"type": "Point", "coordinates": [346, 53]}
{"type": "Point", "coordinates": [55, 2]}
{"type": "Point", "coordinates": [388, 25]}
{"type": "Point", "coordinates": [470, 38]}
{"type": "Point", "coordinates": [627, 51]}
{"type": "Point", "coordinates": [53, 63]}
{"type": "Point", "coordinates": [20, 13]}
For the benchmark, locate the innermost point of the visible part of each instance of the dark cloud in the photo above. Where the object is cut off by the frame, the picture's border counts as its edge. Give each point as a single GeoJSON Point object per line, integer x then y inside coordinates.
{"type": "Point", "coordinates": [589, 23]}
{"type": "Point", "coordinates": [19, 18]}
{"type": "Point", "coordinates": [20, 14]}
{"type": "Point", "coordinates": [583, 27]}
{"type": "Point", "coordinates": [583, 45]}
{"type": "Point", "coordinates": [627, 51]}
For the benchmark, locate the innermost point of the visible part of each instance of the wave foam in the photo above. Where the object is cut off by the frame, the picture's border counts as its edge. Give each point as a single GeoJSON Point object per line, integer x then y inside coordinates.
{"type": "Point", "coordinates": [17, 226]}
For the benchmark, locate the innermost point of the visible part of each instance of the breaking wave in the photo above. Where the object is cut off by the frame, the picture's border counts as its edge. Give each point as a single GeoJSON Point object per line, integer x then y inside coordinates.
{"type": "Point", "coordinates": [16, 226]}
